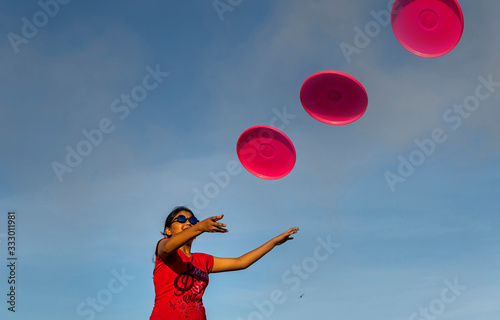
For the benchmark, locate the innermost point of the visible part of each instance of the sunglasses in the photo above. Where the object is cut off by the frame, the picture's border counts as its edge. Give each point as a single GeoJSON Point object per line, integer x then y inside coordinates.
{"type": "Point", "coordinates": [183, 219]}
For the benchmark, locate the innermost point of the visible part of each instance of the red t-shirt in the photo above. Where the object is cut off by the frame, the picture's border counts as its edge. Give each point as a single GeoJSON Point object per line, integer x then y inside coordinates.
{"type": "Point", "coordinates": [180, 282]}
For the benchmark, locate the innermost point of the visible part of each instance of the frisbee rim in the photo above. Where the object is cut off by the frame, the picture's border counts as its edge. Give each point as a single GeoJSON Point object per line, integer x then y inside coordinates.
{"type": "Point", "coordinates": [416, 52]}
{"type": "Point", "coordinates": [329, 120]}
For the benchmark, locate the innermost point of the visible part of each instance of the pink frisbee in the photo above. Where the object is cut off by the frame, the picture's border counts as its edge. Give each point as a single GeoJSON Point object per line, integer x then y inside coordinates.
{"type": "Point", "coordinates": [427, 28]}
{"type": "Point", "coordinates": [333, 97]}
{"type": "Point", "coordinates": [266, 152]}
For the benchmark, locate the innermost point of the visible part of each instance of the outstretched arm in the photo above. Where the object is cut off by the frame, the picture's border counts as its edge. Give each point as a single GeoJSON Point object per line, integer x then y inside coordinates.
{"type": "Point", "coordinates": [166, 246]}
{"type": "Point", "coordinates": [246, 260]}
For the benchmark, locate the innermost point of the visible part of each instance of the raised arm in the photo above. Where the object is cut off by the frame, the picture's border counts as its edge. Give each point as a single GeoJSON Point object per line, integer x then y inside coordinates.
{"type": "Point", "coordinates": [169, 245]}
{"type": "Point", "coordinates": [246, 260]}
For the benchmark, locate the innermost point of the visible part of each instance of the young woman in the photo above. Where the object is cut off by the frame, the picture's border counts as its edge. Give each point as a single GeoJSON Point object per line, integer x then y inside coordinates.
{"type": "Point", "coordinates": [180, 277]}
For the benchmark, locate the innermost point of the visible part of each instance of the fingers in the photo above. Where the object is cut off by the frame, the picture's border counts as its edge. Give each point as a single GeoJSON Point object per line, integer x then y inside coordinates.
{"type": "Point", "coordinates": [219, 227]}
{"type": "Point", "coordinates": [217, 218]}
{"type": "Point", "coordinates": [216, 224]}
{"type": "Point", "coordinates": [285, 236]}
{"type": "Point", "coordinates": [291, 231]}
{"type": "Point", "coordinates": [211, 225]}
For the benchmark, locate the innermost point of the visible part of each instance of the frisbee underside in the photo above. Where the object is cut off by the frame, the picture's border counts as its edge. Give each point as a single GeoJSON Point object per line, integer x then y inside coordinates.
{"type": "Point", "coordinates": [427, 28]}
{"type": "Point", "coordinates": [266, 152]}
{"type": "Point", "coordinates": [333, 97]}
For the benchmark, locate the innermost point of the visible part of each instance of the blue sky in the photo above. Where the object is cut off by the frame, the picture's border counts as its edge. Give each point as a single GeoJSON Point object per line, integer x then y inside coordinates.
{"type": "Point", "coordinates": [397, 249]}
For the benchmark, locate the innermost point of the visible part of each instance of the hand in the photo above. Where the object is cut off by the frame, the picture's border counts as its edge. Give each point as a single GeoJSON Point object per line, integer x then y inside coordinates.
{"type": "Point", "coordinates": [211, 225]}
{"type": "Point", "coordinates": [285, 236]}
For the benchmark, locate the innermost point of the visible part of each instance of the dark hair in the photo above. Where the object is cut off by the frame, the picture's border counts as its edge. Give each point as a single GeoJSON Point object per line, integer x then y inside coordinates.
{"type": "Point", "coordinates": [171, 217]}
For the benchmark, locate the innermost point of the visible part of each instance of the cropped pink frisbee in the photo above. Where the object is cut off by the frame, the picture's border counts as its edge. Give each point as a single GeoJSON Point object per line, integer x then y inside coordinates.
{"type": "Point", "coordinates": [427, 28]}
{"type": "Point", "coordinates": [333, 97]}
{"type": "Point", "coordinates": [266, 152]}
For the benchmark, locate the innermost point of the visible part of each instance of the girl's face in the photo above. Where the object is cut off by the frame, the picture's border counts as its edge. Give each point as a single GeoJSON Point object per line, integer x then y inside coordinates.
{"type": "Point", "coordinates": [177, 227]}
